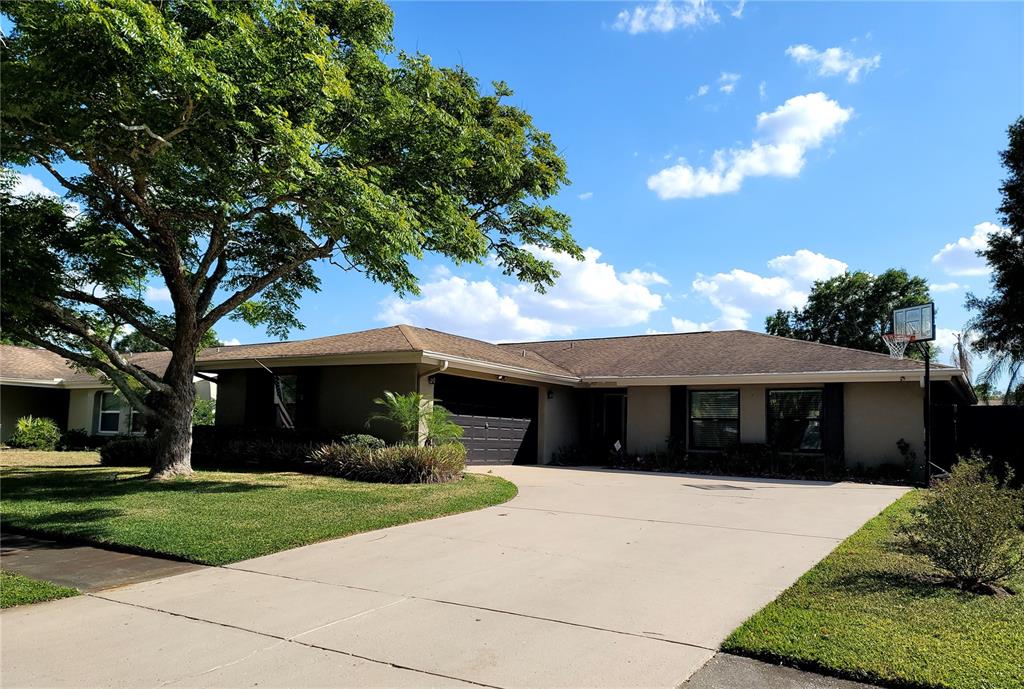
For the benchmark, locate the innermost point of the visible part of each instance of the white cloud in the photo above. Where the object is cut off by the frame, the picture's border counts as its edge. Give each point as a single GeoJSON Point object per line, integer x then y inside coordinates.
{"type": "Point", "coordinates": [727, 82]}
{"type": "Point", "coordinates": [589, 293]}
{"type": "Point", "coordinates": [737, 11]}
{"type": "Point", "coordinates": [233, 342]}
{"type": "Point", "coordinates": [28, 185]}
{"type": "Point", "coordinates": [740, 295]}
{"type": "Point", "coordinates": [945, 286]}
{"type": "Point", "coordinates": [702, 90]}
{"type": "Point", "coordinates": [785, 135]}
{"type": "Point", "coordinates": [945, 338]}
{"type": "Point", "coordinates": [808, 265]}
{"type": "Point", "coordinates": [762, 90]}
{"type": "Point", "coordinates": [665, 15]}
{"type": "Point", "coordinates": [641, 277]}
{"type": "Point", "coordinates": [683, 325]}
{"type": "Point", "coordinates": [834, 61]}
{"type": "Point", "coordinates": [157, 293]}
{"type": "Point", "coordinates": [961, 257]}
{"type": "Point", "coordinates": [586, 196]}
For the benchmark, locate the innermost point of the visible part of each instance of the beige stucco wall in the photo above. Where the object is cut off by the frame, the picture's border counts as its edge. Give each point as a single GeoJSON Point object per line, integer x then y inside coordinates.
{"type": "Point", "coordinates": [80, 409]}
{"type": "Point", "coordinates": [752, 414]}
{"type": "Point", "coordinates": [647, 418]}
{"type": "Point", "coordinates": [876, 416]}
{"type": "Point", "coordinates": [559, 419]}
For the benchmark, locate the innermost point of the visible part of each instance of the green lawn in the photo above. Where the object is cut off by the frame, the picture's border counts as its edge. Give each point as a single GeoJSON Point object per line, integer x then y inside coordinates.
{"type": "Point", "coordinates": [867, 612]}
{"type": "Point", "coordinates": [18, 590]}
{"type": "Point", "coordinates": [216, 517]}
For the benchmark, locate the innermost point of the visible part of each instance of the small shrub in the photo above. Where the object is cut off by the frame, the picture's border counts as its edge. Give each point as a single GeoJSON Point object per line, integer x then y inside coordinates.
{"type": "Point", "coordinates": [361, 440]}
{"type": "Point", "coordinates": [128, 452]}
{"type": "Point", "coordinates": [75, 439]}
{"type": "Point", "coordinates": [392, 463]}
{"type": "Point", "coordinates": [970, 528]}
{"type": "Point", "coordinates": [204, 412]}
{"type": "Point", "coordinates": [35, 433]}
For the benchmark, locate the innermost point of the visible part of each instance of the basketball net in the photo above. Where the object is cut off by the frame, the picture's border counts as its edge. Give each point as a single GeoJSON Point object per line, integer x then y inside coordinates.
{"type": "Point", "coordinates": [897, 343]}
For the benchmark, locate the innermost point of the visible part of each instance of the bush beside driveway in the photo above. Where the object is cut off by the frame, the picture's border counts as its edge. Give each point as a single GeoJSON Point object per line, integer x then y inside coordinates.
{"type": "Point", "coordinates": [872, 612]}
{"type": "Point", "coordinates": [216, 517]}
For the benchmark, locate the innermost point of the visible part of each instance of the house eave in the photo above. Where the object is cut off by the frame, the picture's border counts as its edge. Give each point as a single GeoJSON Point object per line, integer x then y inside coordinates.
{"type": "Point", "coordinates": [477, 366]}
{"type": "Point", "coordinates": [797, 377]}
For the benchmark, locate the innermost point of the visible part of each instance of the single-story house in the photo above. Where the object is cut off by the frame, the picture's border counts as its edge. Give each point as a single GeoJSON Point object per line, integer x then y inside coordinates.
{"type": "Point", "coordinates": [37, 382]}
{"type": "Point", "coordinates": [525, 402]}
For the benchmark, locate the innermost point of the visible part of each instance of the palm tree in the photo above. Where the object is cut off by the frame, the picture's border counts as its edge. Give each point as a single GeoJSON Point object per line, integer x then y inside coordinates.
{"type": "Point", "coordinates": [962, 356]}
{"type": "Point", "coordinates": [1008, 364]}
{"type": "Point", "coordinates": [411, 412]}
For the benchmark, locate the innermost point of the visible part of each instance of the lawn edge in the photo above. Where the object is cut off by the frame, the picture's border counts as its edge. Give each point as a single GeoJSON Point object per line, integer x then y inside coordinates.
{"type": "Point", "coordinates": [810, 665]}
{"type": "Point", "coordinates": [129, 549]}
{"type": "Point", "coordinates": [61, 590]}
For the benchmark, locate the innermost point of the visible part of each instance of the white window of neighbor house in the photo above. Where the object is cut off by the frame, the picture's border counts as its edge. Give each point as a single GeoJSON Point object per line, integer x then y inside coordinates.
{"type": "Point", "coordinates": [110, 413]}
{"type": "Point", "coordinates": [714, 419]}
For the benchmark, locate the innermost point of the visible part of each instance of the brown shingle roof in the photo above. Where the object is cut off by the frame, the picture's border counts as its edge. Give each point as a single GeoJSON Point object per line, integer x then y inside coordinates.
{"type": "Point", "coordinates": [395, 338]}
{"type": "Point", "coordinates": [728, 352]}
{"type": "Point", "coordinates": [27, 363]}
{"type": "Point", "coordinates": [30, 363]}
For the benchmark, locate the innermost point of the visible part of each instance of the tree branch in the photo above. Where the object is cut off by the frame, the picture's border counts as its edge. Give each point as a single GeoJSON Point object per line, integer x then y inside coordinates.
{"type": "Point", "coordinates": [258, 285]}
{"type": "Point", "coordinates": [75, 327]}
{"type": "Point", "coordinates": [115, 309]}
{"type": "Point", "coordinates": [116, 377]}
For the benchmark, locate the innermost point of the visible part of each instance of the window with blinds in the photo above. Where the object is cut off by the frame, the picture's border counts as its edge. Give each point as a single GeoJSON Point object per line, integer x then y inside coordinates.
{"type": "Point", "coordinates": [714, 419]}
{"type": "Point", "coordinates": [794, 420]}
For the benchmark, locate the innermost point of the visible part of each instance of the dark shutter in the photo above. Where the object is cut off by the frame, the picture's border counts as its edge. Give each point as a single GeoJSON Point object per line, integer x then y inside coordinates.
{"type": "Point", "coordinates": [679, 414]}
{"type": "Point", "coordinates": [835, 442]}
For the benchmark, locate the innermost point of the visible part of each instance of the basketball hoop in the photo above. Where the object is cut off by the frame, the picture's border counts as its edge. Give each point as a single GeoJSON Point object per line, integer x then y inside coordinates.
{"type": "Point", "coordinates": [897, 343]}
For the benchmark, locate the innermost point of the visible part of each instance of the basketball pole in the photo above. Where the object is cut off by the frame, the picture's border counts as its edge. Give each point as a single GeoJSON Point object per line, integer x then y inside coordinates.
{"type": "Point", "coordinates": [926, 350]}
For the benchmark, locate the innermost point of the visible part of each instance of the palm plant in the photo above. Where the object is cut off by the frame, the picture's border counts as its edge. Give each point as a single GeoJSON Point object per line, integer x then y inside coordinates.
{"type": "Point", "coordinates": [411, 412]}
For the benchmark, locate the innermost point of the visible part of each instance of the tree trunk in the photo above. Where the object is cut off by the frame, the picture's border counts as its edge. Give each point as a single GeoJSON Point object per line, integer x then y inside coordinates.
{"type": "Point", "coordinates": [174, 433]}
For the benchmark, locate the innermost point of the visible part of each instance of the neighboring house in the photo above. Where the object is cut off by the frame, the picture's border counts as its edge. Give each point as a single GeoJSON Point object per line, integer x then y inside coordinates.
{"type": "Point", "coordinates": [38, 382]}
{"type": "Point", "coordinates": [524, 402]}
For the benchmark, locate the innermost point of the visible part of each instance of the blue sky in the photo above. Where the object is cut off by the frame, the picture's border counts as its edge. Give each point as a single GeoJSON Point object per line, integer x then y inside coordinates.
{"type": "Point", "coordinates": [861, 135]}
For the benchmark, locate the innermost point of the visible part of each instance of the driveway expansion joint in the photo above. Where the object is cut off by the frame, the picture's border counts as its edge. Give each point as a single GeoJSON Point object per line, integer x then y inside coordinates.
{"type": "Point", "coordinates": [291, 640]}
{"type": "Point", "coordinates": [410, 596]}
{"type": "Point", "coordinates": [669, 521]}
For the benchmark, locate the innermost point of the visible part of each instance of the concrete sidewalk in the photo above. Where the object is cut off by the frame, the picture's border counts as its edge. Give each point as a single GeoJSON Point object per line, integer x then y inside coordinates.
{"type": "Point", "coordinates": [587, 579]}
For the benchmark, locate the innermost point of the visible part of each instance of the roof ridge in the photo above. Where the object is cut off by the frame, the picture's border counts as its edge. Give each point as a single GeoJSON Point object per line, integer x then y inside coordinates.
{"type": "Point", "coordinates": [410, 336]}
{"type": "Point", "coordinates": [833, 346]}
{"type": "Point", "coordinates": [613, 337]}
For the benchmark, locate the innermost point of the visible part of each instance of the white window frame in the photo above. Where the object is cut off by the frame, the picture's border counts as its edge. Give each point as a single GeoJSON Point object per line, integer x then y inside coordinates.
{"type": "Point", "coordinates": [102, 411]}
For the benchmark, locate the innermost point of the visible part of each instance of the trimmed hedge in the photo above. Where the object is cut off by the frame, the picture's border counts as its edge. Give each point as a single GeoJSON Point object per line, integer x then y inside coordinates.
{"type": "Point", "coordinates": [127, 452]}
{"type": "Point", "coordinates": [392, 463]}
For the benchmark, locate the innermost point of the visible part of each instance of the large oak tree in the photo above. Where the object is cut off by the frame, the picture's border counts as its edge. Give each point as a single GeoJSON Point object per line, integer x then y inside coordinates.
{"type": "Point", "coordinates": [225, 150]}
{"type": "Point", "coordinates": [851, 310]}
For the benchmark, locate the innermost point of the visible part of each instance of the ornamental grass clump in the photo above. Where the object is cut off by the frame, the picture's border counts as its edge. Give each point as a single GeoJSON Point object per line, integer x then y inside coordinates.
{"type": "Point", "coordinates": [393, 463]}
{"type": "Point", "coordinates": [970, 526]}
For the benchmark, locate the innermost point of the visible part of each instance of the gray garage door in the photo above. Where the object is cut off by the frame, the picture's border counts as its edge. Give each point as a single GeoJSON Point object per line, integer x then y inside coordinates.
{"type": "Point", "coordinates": [492, 439]}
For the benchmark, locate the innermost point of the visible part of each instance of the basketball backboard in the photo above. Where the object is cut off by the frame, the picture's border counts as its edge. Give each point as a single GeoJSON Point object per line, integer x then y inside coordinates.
{"type": "Point", "coordinates": [916, 323]}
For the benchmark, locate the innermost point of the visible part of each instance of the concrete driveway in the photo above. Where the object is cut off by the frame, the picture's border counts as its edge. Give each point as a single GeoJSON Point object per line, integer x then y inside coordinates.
{"type": "Point", "coordinates": [587, 579]}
